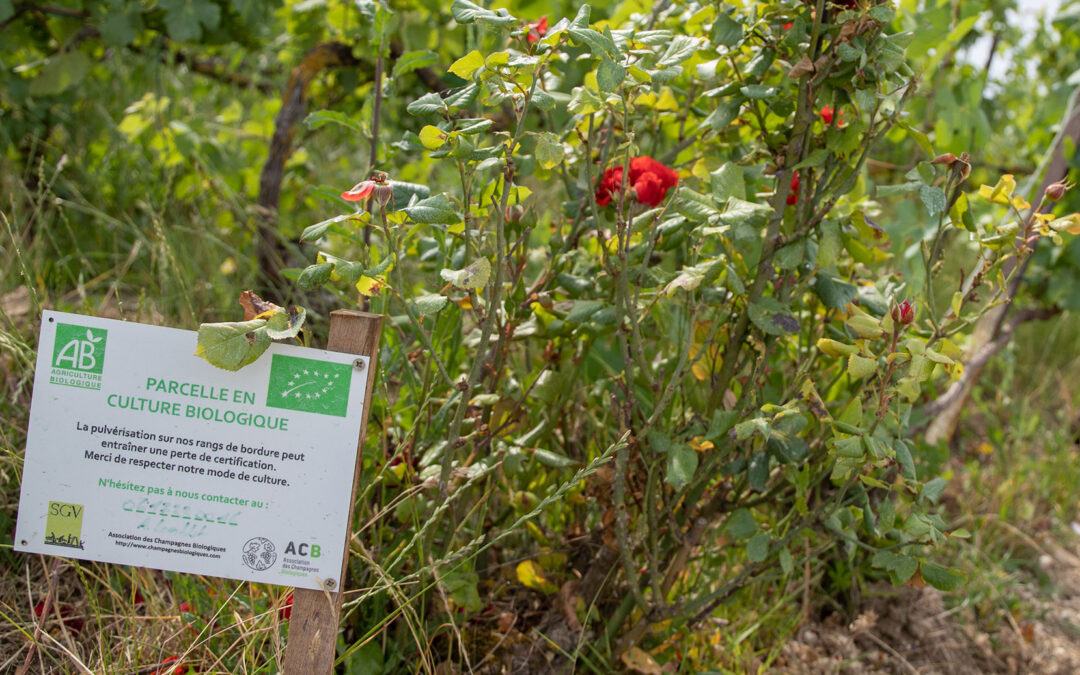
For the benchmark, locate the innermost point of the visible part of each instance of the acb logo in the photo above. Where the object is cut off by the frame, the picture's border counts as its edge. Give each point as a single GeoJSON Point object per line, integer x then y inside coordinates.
{"type": "Point", "coordinates": [302, 549]}
{"type": "Point", "coordinates": [79, 348]}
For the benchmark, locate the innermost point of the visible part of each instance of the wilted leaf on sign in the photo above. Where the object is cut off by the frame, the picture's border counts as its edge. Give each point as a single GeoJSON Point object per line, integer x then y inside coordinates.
{"type": "Point", "coordinates": [233, 345]}
{"type": "Point", "coordinates": [531, 575]}
{"type": "Point", "coordinates": [474, 277]}
{"type": "Point", "coordinates": [255, 307]}
{"type": "Point", "coordinates": [284, 324]}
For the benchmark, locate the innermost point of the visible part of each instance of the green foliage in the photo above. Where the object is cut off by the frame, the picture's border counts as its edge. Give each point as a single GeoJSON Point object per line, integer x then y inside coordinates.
{"type": "Point", "coordinates": [713, 384]}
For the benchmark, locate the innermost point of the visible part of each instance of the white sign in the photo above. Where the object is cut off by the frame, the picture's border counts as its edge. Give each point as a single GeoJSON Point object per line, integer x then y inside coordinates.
{"type": "Point", "coordinates": [140, 453]}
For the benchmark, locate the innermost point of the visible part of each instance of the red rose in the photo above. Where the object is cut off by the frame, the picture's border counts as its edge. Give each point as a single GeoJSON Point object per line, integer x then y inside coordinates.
{"type": "Point", "coordinates": [537, 30]}
{"type": "Point", "coordinates": [827, 114]}
{"type": "Point", "coordinates": [649, 179]}
{"type": "Point", "coordinates": [793, 195]}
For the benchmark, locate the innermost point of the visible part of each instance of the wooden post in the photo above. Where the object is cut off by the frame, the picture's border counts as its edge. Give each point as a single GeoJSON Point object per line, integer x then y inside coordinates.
{"type": "Point", "coordinates": [313, 627]}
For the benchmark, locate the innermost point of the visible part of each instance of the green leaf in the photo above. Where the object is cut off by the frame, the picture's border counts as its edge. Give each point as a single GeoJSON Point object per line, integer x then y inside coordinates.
{"type": "Point", "coordinates": [462, 98]}
{"type": "Point", "coordinates": [833, 292]}
{"type": "Point", "coordinates": [474, 277]}
{"type": "Point", "coordinates": [232, 346]}
{"type": "Point", "coordinates": [62, 71]}
{"type": "Point", "coordinates": [549, 151]}
{"type": "Point", "coordinates": [829, 244]}
{"type": "Point", "coordinates": [745, 214]}
{"type": "Point", "coordinates": [723, 115]}
{"type": "Point", "coordinates": [757, 471]}
{"type": "Point", "coordinates": [741, 525]}
{"type": "Point", "coordinates": [431, 303]}
{"type": "Point", "coordinates": [410, 61]}
{"type": "Point", "coordinates": [757, 549]}
{"type": "Point", "coordinates": [435, 210]}
{"type": "Point", "coordinates": [787, 563]}
{"type": "Point", "coordinates": [933, 489]}
{"type": "Point", "coordinates": [726, 31]}
{"type": "Point", "coordinates": [902, 569]}
{"type": "Point", "coordinates": [859, 366]}
{"type": "Point", "coordinates": [186, 19]}
{"type": "Point", "coordinates": [941, 578]}
{"type": "Point", "coordinates": [7, 10]}
{"type": "Point", "coordinates": [473, 125]}
{"type": "Point", "coordinates": [426, 105]}
{"type": "Point", "coordinates": [404, 192]}
{"type": "Point", "coordinates": [679, 49]}
{"type": "Point", "coordinates": [682, 462]}
{"type": "Point", "coordinates": [467, 65]}
{"type": "Point", "coordinates": [583, 310]}
{"type": "Point", "coordinates": [315, 276]}
{"type": "Point", "coordinates": [579, 31]}
{"type": "Point", "coordinates": [773, 318]}
{"type": "Point", "coordinates": [934, 199]}
{"type": "Point", "coordinates": [285, 324]}
{"type": "Point", "coordinates": [727, 181]}
{"type": "Point", "coordinates": [321, 118]}
{"type": "Point", "coordinates": [609, 75]}
{"type": "Point", "coordinates": [543, 100]}
{"type": "Point", "coordinates": [758, 92]}
{"type": "Point", "coordinates": [468, 12]}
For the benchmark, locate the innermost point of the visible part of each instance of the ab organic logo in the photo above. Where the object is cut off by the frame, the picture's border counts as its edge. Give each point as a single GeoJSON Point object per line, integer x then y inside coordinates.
{"type": "Point", "coordinates": [78, 356]}
{"type": "Point", "coordinates": [309, 385]}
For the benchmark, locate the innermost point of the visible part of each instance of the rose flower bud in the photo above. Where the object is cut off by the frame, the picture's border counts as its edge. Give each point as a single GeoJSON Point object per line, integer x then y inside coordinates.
{"type": "Point", "coordinates": [903, 313]}
{"type": "Point", "coordinates": [1055, 191]}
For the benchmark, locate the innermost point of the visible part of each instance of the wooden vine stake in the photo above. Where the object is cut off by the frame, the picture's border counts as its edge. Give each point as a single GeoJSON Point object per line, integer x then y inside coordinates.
{"type": "Point", "coordinates": [313, 627]}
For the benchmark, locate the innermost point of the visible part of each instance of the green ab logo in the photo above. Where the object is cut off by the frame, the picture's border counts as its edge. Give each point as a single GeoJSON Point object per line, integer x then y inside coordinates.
{"type": "Point", "coordinates": [79, 348]}
{"type": "Point", "coordinates": [78, 356]}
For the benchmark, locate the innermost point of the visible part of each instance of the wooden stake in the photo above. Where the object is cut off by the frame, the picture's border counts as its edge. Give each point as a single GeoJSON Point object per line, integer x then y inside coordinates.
{"type": "Point", "coordinates": [313, 627]}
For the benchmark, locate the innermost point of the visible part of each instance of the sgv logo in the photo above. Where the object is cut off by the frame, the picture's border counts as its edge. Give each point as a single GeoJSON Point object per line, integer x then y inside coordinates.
{"type": "Point", "coordinates": [78, 356]}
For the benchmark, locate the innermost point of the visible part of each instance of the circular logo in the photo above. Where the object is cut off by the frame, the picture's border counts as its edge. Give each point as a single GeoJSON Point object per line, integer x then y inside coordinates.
{"type": "Point", "coordinates": [259, 553]}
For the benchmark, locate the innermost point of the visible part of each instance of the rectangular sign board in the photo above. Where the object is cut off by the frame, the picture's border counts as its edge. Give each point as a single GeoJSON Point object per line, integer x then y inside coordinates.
{"type": "Point", "coordinates": [141, 453]}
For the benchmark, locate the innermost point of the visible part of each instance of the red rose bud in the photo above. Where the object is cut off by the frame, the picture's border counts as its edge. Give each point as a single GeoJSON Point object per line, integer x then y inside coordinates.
{"type": "Point", "coordinates": [793, 195]}
{"type": "Point", "coordinates": [828, 113]}
{"type": "Point", "coordinates": [537, 30]}
{"type": "Point", "coordinates": [285, 611]}
{"type": "Point", "coordinates": [1055, 191]}
{"type": "Point", "coordinates": [788, 25]}
{"type": "Point", "coordinates": [903, 313]}
{"type": "Point", "coordinates": [514, 213]}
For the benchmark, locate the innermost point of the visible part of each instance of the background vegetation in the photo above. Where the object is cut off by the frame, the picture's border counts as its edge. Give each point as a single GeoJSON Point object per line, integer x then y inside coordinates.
{"type": "Point", "coordinates": [637, 433]}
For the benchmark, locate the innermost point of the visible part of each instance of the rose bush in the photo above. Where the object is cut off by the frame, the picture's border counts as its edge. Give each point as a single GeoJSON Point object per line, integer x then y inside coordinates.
{"type": "Point", "coordinates": [645, 332]}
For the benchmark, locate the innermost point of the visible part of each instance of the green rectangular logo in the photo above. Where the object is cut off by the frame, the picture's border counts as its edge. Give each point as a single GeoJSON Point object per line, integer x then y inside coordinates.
{"type": "Point", "coordinates": [78, 356]}
{"type": "Point", "coordinates": [63, 526]}
{"type": "Point", "coordinates": [309, 385]}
